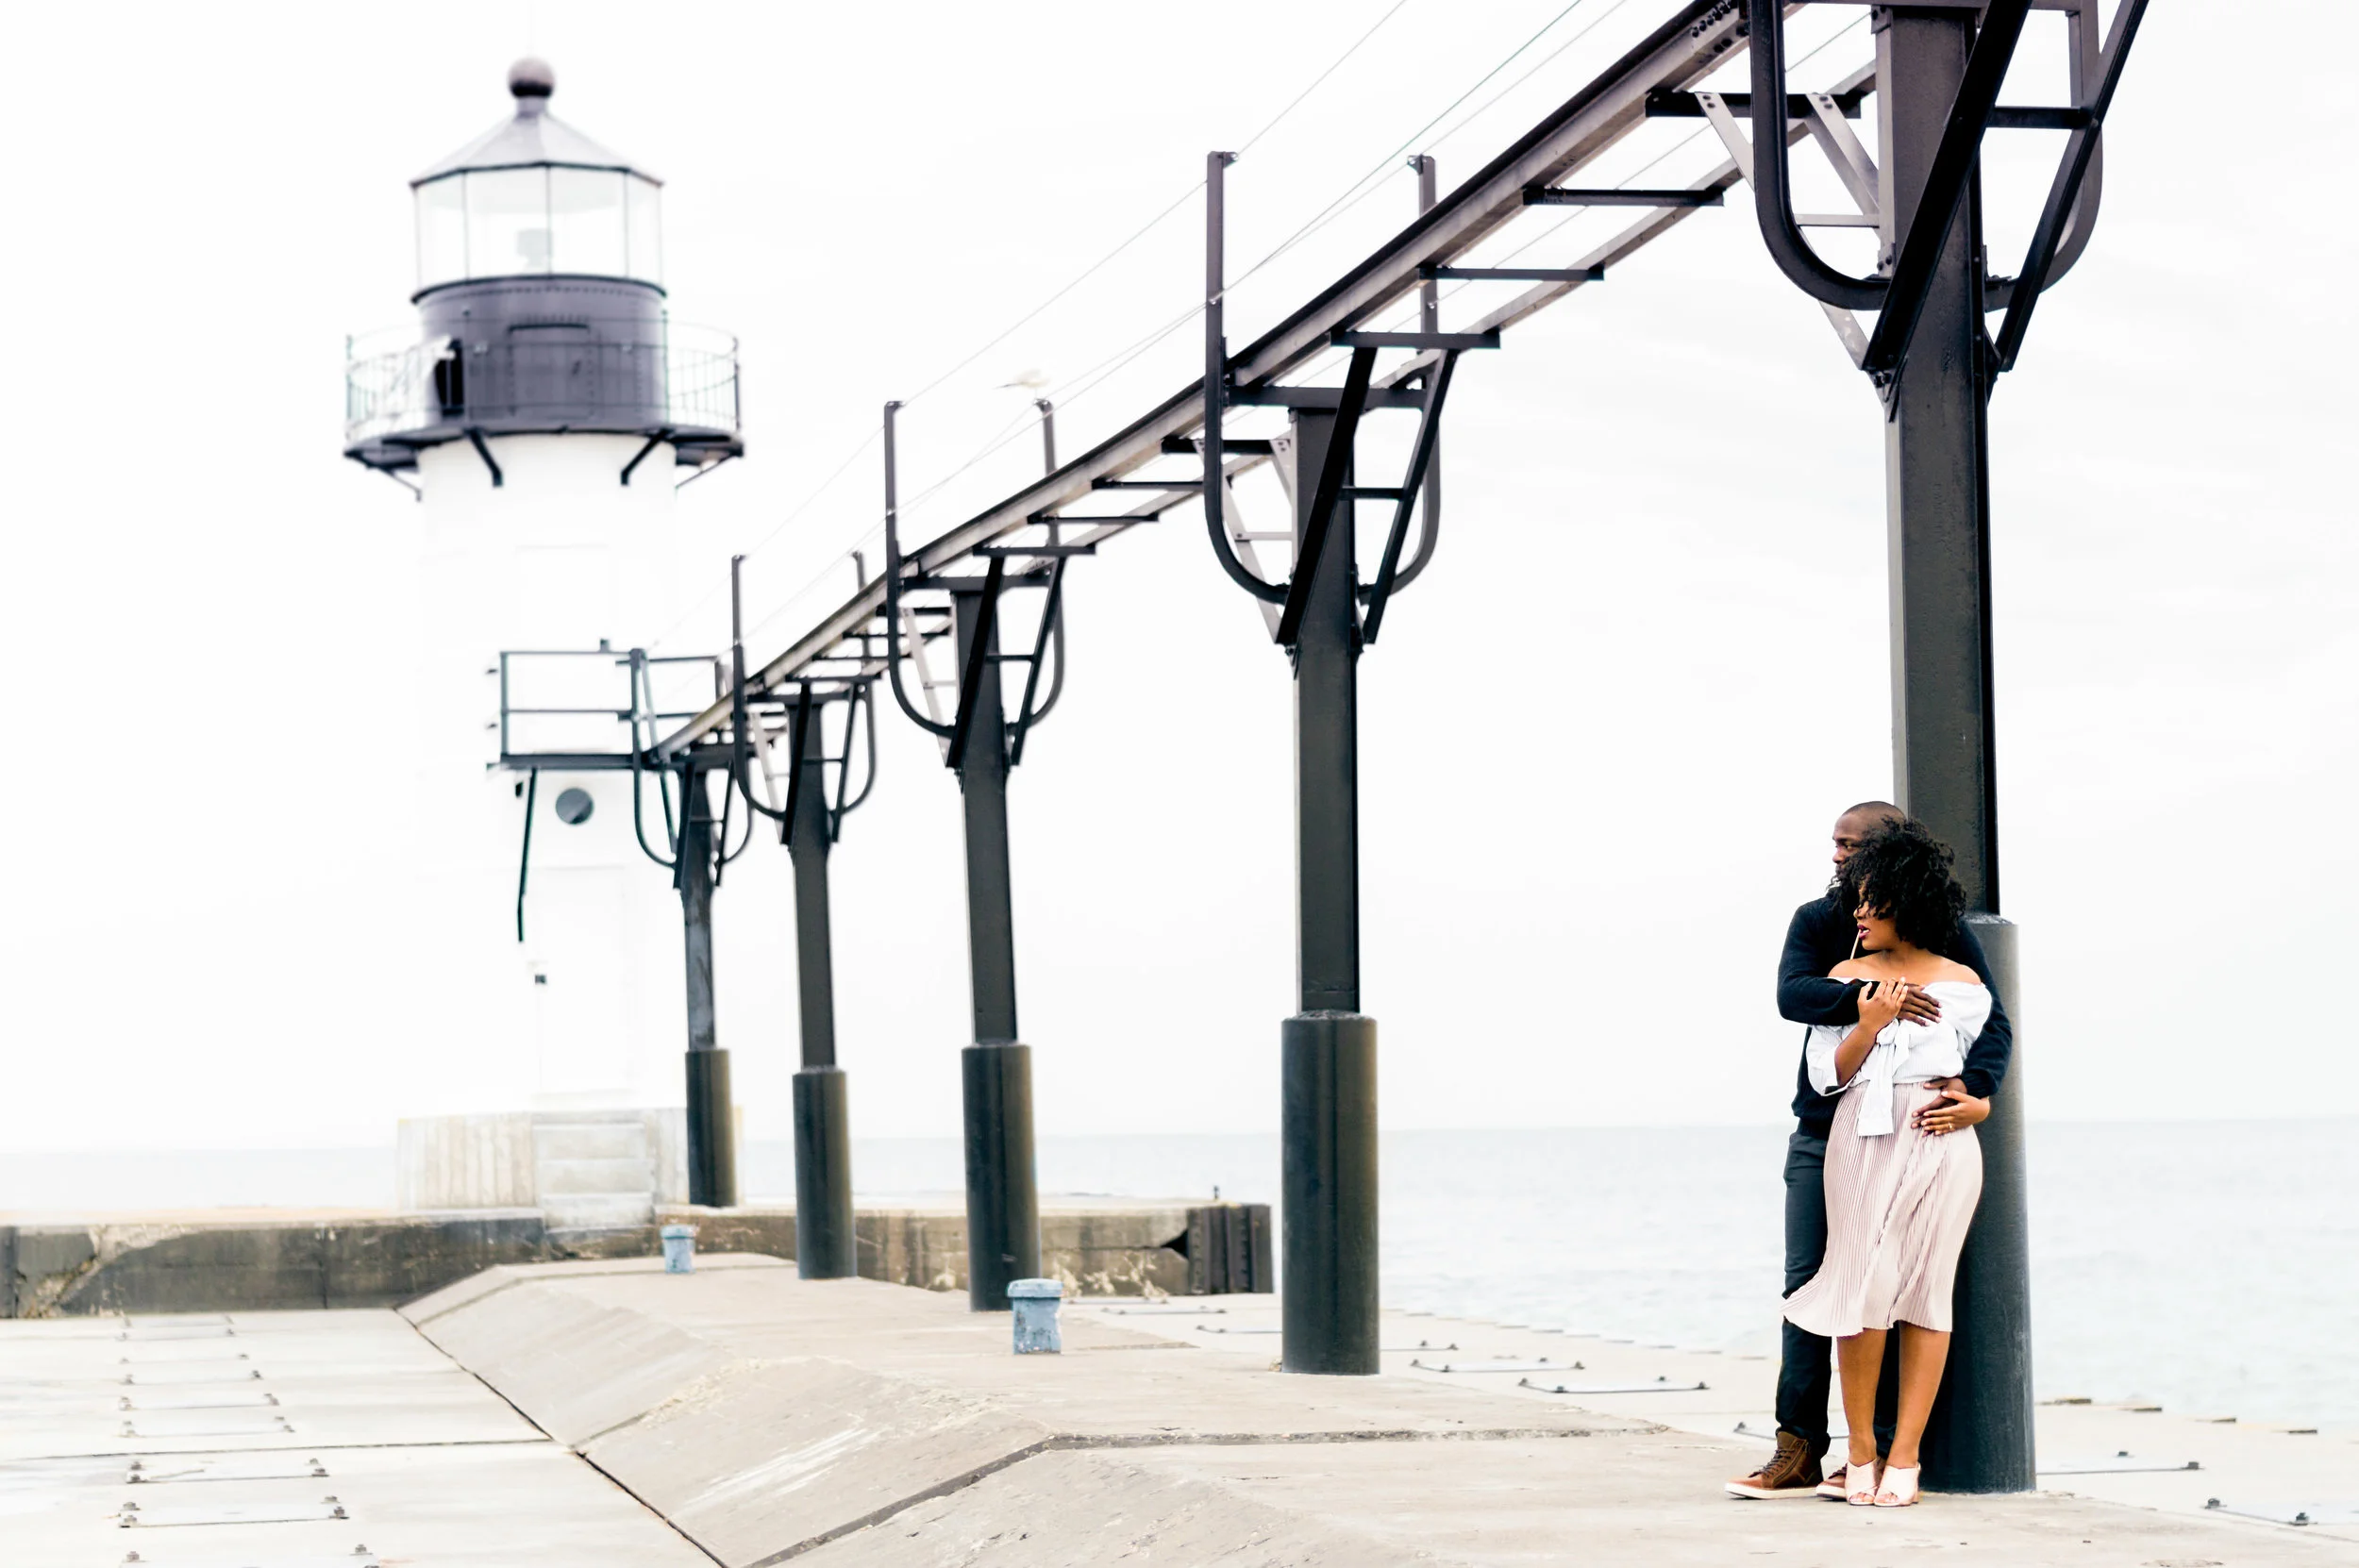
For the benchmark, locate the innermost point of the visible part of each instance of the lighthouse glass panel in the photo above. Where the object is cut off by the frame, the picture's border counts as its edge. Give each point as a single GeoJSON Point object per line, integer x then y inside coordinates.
{"type": "Point", "coordinates": [442, 231]}
{"type": "Point", "coordinates": [586, 222]}
{"type": "Point", "coordinates": [646, 230]}
{"type": "Point", "coordinates": [508, 221]}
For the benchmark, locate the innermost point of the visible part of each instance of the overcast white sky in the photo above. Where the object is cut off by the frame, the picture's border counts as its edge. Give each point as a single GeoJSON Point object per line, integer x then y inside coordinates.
{"type": "Point", "coordinates": [1603, 742]}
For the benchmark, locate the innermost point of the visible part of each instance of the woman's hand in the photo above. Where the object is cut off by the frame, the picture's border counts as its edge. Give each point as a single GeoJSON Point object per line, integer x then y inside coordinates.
{"type": "Point", "coordinates": [1879, 1003]}
{"type": "Point", "coordinates": [1956, 1110]}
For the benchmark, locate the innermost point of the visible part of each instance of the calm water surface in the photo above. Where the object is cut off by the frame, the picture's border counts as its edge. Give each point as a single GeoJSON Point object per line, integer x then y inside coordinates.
{"type": "Point", "coordinates": [2210, 1267]}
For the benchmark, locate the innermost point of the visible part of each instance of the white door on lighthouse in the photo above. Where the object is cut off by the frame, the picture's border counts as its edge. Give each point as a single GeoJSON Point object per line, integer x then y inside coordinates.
{"type": "Point", "coordinates": [580, 939]}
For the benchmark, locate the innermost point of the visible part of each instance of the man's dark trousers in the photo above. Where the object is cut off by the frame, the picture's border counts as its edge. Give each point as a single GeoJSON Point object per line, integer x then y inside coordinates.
{"type": "Point", "coordinates": [1805, 1368]}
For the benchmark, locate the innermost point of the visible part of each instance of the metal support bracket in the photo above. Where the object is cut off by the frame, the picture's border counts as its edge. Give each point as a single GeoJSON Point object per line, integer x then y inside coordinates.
{"type": "Point", "coordinates": [642, 709]}
{"type": "Point", "coordinates": [2041, 261]}
{"type": "Point", "coordinates": [1320, 521]}
{"type": "Point", "coordinates": [860, 712]}
{"type": "Point", "coordinates": [1550, 195]}
{"type": "Point", "coordinates": [1514, 274]}
{"type": "Point", "coordinates": [1051, 630]}
{"type": "Point", "coordinates": [1946, 182]}
{"type": "Point", "coordinates": [1320, 397]}
{"type": "Point", "coordinates": [640, 456]}
{"type": "Point", "coordinates": [977, 661]}
{"type": "Point", "coordinates": [1835, 137]}
{"type": "Point", "coordinates": [798, 742]}
{"type": "Point", "coordinates": [1444, 342]}
{"type": "Point", "coordinates": [1716, 111]}
{"type": "Point", "coordinates": [474, 439]}
{"type": "Point", "coordinates": [1216, 391]}
{"type": "Point", "coordinates": [1428, 428]}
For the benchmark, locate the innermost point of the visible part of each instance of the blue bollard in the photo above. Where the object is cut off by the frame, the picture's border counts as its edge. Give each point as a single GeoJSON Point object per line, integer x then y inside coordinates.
{"type": "Point", "coordinates": [679, 1249]}
{"type": "Point", "coordinates": [1036, 1303]}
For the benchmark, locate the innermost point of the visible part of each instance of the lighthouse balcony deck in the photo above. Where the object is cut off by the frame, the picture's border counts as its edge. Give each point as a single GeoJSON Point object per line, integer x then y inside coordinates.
{"type": "Point", "coordinates": [666, 381]}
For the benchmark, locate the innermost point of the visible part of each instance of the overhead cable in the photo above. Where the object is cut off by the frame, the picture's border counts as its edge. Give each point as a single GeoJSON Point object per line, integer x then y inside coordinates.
{"type": "Point", "coordinates": [1353, 193]}
{"type": "Point", "coordinates": [1247, 145]}
{"type": "Point", "coordinates": [1093, 377]}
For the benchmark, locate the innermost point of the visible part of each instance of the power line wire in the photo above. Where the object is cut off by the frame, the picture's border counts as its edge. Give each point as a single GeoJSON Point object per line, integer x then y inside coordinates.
{"type": "Point", "coordinates": [1088, 382]}
{"type": "Point", "coordinates": [1545, 61]}
{"type": "Point", "coordinates": [1183, 198]}
{"type": "Point", "coordinates": [801, 507]}
{"type": "Point", "coordinates": [1354, 195]}
{"type": "Point", "coordinates": [1577, 214]}
{"type": "Point", "coordinates": [1349, 199]}
{"type": "Point", "coordinates": [1084, 275]}
{"type": "Point", "coordinates": [1320, 79]}
{"type": "Point", "coordinates": [1410, 314]}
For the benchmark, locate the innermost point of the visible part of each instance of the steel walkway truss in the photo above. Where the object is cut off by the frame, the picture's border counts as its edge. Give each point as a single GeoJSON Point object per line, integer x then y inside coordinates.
{"type": "Point", "coordinates": [1135, 478]}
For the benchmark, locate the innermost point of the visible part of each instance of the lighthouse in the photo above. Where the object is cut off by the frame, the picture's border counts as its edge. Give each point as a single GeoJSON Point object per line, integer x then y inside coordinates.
{"type": "Point", "coordinates": [543, 407]}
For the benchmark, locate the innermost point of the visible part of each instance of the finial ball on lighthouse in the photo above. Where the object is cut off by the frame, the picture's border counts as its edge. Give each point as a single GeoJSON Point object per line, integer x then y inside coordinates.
{"type": "Point", "coordinates": [530, 77]}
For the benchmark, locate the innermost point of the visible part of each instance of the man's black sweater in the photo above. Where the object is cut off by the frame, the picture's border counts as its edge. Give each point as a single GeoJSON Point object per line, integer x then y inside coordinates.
{"type": "Point", "coordinates": [1819, 939]}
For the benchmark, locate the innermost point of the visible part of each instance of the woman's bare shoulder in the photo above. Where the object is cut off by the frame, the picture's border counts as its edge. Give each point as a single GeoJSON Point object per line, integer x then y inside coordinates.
{"type": "Point", "coordinates": [1953, 973]}
{"type": "Point", "coordinates": [1852, 969]}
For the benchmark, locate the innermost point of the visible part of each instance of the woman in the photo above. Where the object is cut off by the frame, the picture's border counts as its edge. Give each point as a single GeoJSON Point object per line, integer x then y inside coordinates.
{"type": "Point", "coordinates": [1901, 1187]}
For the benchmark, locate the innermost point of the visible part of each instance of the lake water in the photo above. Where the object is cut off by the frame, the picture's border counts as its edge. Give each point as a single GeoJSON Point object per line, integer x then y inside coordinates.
{"type": "Point", "coordinates": [2209, 1267]}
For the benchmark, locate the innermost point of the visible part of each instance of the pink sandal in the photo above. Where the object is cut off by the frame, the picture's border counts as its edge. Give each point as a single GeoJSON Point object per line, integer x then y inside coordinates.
{"type": "Point", "coordinates": [1897, 1488]}
{"type": "Point", "coordinates": [1860, 1483]}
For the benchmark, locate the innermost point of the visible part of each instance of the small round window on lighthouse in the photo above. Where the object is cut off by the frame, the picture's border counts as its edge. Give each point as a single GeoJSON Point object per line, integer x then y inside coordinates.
{"type": "Point", "coordinates": [574, 806]}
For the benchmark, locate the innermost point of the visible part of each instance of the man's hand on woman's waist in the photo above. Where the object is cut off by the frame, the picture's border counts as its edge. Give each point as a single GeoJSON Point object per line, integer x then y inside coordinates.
{"type": "Point", "coordinates": [1954, 1112]}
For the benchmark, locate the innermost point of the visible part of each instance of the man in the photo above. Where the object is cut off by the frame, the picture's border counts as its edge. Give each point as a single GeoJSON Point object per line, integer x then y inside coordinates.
{"type": "Point", "coordinates": [1819, 938]}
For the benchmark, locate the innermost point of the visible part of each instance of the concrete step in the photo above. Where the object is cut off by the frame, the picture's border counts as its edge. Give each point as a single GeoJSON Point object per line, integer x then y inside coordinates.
{"type": "Point", "coordinates": [554, 1178]}
{"type": "Point", "coordinates": [598, 1210]}
{"type": "Point", "coordinates": [590, 1140]}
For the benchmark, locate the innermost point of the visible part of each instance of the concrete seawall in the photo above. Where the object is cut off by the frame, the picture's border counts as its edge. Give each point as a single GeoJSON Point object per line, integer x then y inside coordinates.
{"type": "Point", "coordinates": [201, 1262]}
{"type": "Point", "coordinates": [264, 1260]}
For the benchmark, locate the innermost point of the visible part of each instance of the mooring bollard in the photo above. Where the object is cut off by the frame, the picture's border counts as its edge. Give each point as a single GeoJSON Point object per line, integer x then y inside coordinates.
{"type": "Point", "coordinates": [1036, 1303]}
{"type": "Point", "coordinates": [679, 1249]}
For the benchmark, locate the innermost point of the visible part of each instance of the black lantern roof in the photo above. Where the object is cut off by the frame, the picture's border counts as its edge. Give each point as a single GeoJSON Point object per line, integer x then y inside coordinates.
{"type": "Point", "coordinates": [533, 137]}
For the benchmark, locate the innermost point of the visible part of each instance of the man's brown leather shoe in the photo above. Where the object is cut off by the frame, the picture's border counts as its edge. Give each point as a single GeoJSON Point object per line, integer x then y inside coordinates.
{"type": "Point", "coordinates": [1792, 1472]}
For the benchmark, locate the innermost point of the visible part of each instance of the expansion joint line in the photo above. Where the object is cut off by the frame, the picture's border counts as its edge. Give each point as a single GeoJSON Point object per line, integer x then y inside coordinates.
{"type": "Point", "coordinates": [1069, 1441]}
{"type": "Point", "coordinates": [546, 1436]}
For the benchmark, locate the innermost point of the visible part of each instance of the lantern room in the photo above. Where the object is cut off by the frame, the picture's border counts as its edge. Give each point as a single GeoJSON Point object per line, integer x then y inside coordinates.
{"type": "Point", "coordinates": [535, 198]}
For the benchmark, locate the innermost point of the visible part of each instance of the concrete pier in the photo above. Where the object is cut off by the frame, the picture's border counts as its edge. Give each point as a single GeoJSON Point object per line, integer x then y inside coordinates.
{"type": "Point", "coordinates": [287, 1437]}
{"type": "Point", "coordinates": [600, 1411]}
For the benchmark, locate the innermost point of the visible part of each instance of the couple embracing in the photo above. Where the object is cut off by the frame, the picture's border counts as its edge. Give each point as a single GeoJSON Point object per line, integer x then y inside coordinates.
{"type": "Point", "coordinates": [1906, 1044]}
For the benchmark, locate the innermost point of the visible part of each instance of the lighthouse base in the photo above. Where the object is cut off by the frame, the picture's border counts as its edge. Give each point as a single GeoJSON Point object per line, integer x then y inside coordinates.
{"type": "Point", "coordinates": [589, 1172]}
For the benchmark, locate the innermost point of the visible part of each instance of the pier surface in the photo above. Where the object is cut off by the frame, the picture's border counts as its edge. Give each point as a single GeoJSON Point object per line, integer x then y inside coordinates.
{"type": "Point", "coordinates": [601, 1412]}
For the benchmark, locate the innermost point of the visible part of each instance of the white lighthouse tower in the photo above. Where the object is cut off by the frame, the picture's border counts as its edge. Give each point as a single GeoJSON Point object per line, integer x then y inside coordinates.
{"type": "Point", "coordinates": [543, 407]}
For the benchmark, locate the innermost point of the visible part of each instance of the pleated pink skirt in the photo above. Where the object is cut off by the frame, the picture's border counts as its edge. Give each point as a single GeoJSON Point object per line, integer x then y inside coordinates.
{"type": "Point", "coordinates": [1898, 1209]}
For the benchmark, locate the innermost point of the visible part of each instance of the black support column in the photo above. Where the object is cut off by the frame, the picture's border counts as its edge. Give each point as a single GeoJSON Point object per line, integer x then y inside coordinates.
{"type": "Point", "coordinates": [1002, 1203]}
{"type": "Point", "coordinates": [712, 1131]}
{"type": "Point", "coordinates": [825, 1245]}
{"type": "Point", "coordinates": [1327, 1116]}
{"type": "Point", "coordinates": [1937, 466]}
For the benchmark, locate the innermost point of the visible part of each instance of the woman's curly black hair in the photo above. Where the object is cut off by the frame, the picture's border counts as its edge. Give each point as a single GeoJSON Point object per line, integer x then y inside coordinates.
{"type": "Point", "coordinates": [1903, 872]}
